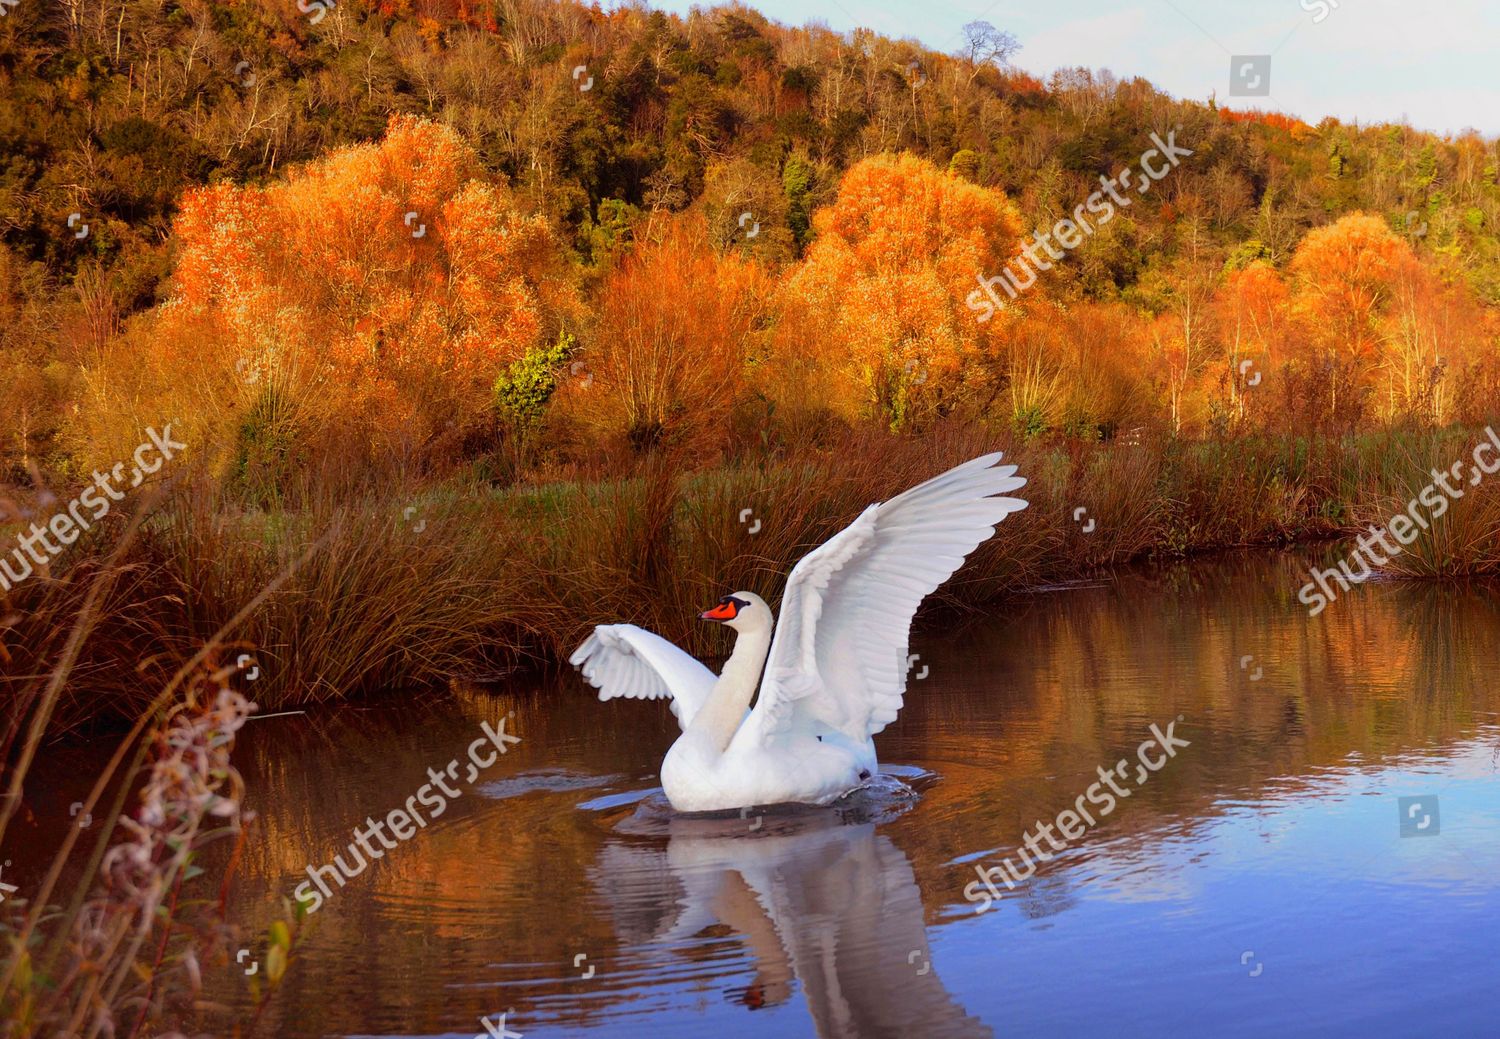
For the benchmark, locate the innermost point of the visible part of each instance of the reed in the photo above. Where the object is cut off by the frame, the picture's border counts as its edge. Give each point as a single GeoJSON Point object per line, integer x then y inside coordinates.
{"type": "Point", "coordinates": [1465, 540]}
{"type": "Point", "coordinates": [422, 580]}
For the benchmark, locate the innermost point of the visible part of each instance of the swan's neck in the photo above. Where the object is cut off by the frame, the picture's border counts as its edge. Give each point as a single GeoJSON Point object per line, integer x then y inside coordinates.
{"type": "Point", "coordinates": [721, 716]}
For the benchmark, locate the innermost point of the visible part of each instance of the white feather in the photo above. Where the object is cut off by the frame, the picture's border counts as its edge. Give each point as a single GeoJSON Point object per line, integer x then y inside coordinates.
{"type": "Point", "coordinates": [839, 658]}
{"type": "Point", "coordinates": [624, 660]}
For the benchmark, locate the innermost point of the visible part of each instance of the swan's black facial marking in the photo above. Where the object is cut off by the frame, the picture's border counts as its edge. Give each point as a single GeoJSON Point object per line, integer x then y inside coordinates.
{"type": "Point", "coordinates": [728, 609]}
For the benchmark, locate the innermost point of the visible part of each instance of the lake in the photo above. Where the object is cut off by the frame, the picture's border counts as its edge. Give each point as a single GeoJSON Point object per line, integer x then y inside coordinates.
{"type": "Point", "coordinates": [1321, 857]}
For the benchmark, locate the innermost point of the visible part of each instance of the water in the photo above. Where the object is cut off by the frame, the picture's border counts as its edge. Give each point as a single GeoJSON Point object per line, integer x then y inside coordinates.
{"type": "Point", "coordinates": [1257, 884]}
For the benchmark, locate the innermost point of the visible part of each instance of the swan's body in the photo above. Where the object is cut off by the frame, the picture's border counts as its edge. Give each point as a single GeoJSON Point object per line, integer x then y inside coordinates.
{"type": "Point", "coordinates": [834, 667]}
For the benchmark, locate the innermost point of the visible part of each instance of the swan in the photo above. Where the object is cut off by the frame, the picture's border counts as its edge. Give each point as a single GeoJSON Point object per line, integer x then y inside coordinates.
{"type": "Point", "coordinates": [834, 667]}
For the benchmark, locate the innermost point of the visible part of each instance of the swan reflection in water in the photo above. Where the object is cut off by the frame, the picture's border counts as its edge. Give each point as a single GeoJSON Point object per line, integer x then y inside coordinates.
{"type": "Point", "coordinates": [817, 899]}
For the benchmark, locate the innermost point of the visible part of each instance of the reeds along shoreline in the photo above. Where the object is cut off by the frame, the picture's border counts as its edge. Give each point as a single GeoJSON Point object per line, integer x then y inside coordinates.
{"type": "Point", "coordinates": [454, 578]}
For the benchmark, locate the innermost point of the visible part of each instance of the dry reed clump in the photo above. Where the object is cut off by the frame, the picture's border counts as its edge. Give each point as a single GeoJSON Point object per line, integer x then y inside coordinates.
{"type": "Point", "coordinates": [1219, 495]}
{"type": "Point", "coordinates": [401, 591]}
{"type": "Point", "coordinates": [127, 947]}
{"type": "Point", "coordinates": [1465, 539]}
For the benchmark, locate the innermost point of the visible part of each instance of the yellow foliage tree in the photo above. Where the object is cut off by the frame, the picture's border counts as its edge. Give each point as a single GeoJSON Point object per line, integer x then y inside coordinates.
{"type": "Point", "coordinates": [878, 303]}
{"type": "Point", "coordinates": [1344, 278]}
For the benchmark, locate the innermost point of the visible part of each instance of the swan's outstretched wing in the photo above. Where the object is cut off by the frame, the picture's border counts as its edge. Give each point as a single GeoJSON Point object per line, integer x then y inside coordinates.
{"type": "Point", "coordinates": [623, 660]}
{"type": "Point", "coordinates": [838, 660]}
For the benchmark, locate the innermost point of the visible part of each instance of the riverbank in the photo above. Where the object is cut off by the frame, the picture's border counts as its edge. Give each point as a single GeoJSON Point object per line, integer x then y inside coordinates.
{"type": "Point", "coordinates": [401, 588]}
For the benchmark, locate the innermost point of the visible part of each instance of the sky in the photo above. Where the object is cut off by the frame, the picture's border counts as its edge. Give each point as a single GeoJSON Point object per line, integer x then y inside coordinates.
{"type": "Point", "coordinates": [1435, 65]}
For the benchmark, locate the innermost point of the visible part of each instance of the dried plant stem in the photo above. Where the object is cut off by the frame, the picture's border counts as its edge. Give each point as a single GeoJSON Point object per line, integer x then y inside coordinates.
{"type": "Point", "coordinates": [60, 936]}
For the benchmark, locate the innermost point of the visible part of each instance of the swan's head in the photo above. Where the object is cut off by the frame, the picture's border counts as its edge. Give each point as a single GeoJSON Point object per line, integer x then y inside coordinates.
{"type": "Point", "coordinates": [742, 611]}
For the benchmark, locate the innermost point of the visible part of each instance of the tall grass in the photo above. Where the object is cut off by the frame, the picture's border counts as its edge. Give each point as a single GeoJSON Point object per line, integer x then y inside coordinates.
{"type": "Point", "coordinates": [1465, 539]}
{"type": "Point", "coordinates": [419, 582]}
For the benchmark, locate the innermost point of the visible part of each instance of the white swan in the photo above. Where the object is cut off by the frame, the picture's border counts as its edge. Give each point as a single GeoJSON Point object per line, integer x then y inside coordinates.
{"type": "Point", "coordinates": [836, 669]}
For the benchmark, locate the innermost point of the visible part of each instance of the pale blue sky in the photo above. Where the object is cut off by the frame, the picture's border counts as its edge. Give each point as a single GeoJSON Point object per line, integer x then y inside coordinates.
{"type": "Point", "coordinates": [1433, 63]}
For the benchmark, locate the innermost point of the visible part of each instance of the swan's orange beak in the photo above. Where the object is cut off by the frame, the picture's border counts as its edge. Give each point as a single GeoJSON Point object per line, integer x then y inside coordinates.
{"type": "Point", "coordinates": [725, 611]}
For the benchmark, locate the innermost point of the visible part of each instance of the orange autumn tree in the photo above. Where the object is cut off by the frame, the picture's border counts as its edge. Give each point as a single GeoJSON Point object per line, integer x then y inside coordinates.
{"type": "Point", "coordinates": [1251, 320]}
{"type": "Point", "coordinates": [1344, 278]}
{"type": "Point", "coordinates": [382, 288]}
{"type": "Point", "coordinates": [1182, 290]}
{"type": "Point", "coordinates": [677, 322]}
{"type": "Point", "coordinates": [878, 304]}
{"type": "Point", "coordinates": [1434, 327]}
